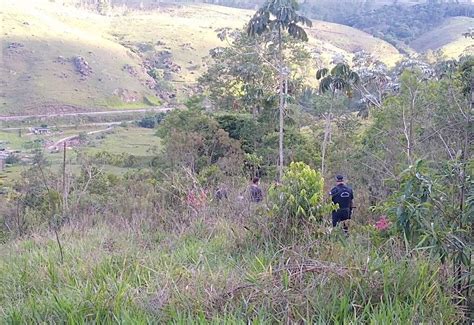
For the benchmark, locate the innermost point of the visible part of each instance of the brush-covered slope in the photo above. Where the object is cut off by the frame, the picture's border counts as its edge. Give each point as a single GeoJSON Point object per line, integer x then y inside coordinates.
{"type": "Point", "coordinates": [448, 38]}
{"type": "Point", "coordinates": [60, 58]}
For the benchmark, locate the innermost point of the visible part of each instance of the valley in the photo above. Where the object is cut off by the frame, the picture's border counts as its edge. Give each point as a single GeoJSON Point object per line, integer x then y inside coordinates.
{"type": "Point", "coordinates": [236, 162]}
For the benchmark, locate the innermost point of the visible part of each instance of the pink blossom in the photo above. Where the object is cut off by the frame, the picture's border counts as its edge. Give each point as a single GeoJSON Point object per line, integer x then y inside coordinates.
{"type": "Point", "coordinates": [382, 224]}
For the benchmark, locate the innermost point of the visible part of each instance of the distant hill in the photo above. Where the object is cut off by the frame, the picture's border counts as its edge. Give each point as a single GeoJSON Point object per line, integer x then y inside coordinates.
{"type": "Point", "coordinates": [59, 58]}
{"type": "Point", "coordinates": [447, 38]}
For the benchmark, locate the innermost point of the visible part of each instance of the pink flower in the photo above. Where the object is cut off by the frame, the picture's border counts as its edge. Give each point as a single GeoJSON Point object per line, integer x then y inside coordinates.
{"type": "Point", "coordinates": [382, 224]}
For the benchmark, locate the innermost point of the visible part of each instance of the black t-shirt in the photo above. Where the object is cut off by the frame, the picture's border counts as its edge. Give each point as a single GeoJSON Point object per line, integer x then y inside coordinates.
{"type": "Point", "coordinates": [342, 195]}
{"type": "Point", "coordinates": [256, 194]}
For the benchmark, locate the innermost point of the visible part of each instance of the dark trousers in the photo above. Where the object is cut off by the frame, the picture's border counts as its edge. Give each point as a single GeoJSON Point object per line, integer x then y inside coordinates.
{"type": "Point", "coordinates": [340, 215]}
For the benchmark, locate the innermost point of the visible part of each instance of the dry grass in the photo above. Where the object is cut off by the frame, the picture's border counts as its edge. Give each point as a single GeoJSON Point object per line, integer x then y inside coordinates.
{"type": "Point", "coordinates": [448, 38]}
{"type": "Point", "coordinates": [30, 77]}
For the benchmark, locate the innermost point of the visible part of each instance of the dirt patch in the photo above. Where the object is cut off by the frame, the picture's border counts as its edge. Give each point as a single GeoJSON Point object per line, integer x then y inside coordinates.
{"type": "Point", "coordinates": [127, 96]}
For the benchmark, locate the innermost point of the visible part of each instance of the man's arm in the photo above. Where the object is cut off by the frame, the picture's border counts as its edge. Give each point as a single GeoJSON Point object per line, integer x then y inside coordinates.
{"type": "Point", "coordinates": [351, 205]}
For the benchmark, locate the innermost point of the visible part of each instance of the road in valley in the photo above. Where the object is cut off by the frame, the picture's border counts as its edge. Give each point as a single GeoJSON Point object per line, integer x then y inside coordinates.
{"type": "Point", "coordinates": [94, 113]}
{"type": "Point", "coordinates": [58, 143]}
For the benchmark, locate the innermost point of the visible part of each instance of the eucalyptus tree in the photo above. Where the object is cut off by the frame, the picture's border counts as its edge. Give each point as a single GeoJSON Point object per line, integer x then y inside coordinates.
{"type": "Point", "coordinates": [278, 17]}
{"type": "Point", "coordinates": [341, 79]}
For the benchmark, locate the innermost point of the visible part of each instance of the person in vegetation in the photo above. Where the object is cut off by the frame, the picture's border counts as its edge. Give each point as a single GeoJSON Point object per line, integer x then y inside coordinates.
{"type": "Point", "coordinates": [256, 194]}
{"type": "Point", "coordinates": [221, 193]}
{"type": "Point", "coordinates": [343, 196]}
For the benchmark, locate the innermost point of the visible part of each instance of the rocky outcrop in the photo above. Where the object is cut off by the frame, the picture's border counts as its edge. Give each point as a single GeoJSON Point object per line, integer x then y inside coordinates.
{"type": "Point", "coordinates": [82, 66]}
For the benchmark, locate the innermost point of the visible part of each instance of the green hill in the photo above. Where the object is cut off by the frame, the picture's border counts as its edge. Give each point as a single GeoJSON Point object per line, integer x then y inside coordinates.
{"type": "Point", "coordinates": [59, 58]}
{"type": "Point", "coordinates": [448, 38]}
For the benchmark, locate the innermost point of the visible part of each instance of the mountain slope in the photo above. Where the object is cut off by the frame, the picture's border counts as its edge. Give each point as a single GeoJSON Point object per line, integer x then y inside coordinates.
{"type": "Point", "coordinates": [448, 38]}
{"type": "Point", "coordinates": [47, 62]}
{"type": "Point", "coordinates": [59, 58]}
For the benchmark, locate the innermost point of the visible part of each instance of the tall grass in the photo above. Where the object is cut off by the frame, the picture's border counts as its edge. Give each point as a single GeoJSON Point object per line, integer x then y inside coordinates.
{"type": "Point", "coordinates": [216, 271]}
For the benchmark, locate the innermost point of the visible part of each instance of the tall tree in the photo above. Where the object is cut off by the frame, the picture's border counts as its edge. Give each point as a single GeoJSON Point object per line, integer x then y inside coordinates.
{"type": "Point", "coordinates": [340, 79]}
{"type": "Point", "coordinates": [279, 16]}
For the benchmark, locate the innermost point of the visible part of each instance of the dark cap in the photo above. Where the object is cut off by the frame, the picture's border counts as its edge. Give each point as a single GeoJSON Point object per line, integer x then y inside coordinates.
{"type": "Point", "coordinates": [339, 178]}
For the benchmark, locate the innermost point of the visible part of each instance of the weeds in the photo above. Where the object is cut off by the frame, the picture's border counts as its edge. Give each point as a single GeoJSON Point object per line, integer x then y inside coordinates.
{"type": "Point", "coordinates": [210, 273]}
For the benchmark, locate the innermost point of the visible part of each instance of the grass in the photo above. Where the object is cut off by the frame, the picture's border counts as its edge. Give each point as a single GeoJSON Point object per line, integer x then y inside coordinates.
{"type": "Point", "coordinates": [33, 81]}
{"type": "Point", "coordinates": [133, 140]}
{"type": "Point", "coordinates": [448, 38]}
{"type": "Point", "coordinates": [213, 271]}
{"type": "Point", "coordinates": [139, 142]}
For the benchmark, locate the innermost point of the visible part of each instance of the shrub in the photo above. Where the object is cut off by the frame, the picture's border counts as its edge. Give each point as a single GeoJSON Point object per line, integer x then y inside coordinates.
{"type": "Point", "coordinates": [147, 122]}
{"type": "Point", "coordinates": [12, 159]}
{"type": "Point", "coordinates": [299, 200]}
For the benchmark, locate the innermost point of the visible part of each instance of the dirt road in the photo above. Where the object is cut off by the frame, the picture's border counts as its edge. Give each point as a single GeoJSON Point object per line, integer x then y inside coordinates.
{"type": "Point", "coordinates": [95, 113]}
{"type": "Point", "coordinates": [58, 143]}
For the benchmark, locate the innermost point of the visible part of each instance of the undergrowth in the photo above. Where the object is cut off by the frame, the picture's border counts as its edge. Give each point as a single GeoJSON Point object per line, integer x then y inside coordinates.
{"type": "Point", "coordinates": [217, 270]}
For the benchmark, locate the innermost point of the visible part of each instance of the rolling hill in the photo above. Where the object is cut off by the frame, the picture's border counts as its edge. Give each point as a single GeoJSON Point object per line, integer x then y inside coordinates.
{"type": "Point", "coordinates": [448, 38]}
{"type": "Point", "coordinates": [59, 58]}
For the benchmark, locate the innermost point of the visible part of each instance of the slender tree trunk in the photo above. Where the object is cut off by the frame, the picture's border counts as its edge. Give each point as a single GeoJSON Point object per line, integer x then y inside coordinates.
{"type": "Point", "coordinates": [64, 181]}
{"type": "Point", "coordinates": [327, 136]}
{"type": "Point", "coordinates": [281, 108]}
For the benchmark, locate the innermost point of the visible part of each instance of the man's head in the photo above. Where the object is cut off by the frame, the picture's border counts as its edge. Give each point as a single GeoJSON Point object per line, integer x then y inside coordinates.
{"type": "Point", "coordinates": [339, 179]}
{"type": "Point", "coordinates": [255, 180]}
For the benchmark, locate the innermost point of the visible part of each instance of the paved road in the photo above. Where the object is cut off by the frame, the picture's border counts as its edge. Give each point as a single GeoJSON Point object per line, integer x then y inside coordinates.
{"type": "Point", "coordinates": [95, 113]}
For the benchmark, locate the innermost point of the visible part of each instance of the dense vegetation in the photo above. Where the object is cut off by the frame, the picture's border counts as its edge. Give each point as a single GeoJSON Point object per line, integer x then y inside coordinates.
{"type": "Point", "coordinates": [156, 244]}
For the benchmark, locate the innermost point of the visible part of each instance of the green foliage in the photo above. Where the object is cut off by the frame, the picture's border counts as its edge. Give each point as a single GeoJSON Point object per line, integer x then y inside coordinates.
{"type": "Point", "coordinates": [414, 210]}
{"type": "Point", "coordinates": [150, 122]}
{"type": "Point", "coordinates": [299, 199]}
{"type": "Point", "coordinates": [340, 78]}
{"type": "Point", "coordinates": [242, 127]}
{"type": "Point", "coordinates": [253, 163]}
{"type": "Point", "coordinates": [12, 159]}
{"type": "Point", "coordinates": [242, 76]}
{"type": "Point", "coordinates": [426, 218]}
{"type": "Point", "coordinates": [114, 275]}
{"type": "Point", "coordinates": [277, 15]}
{"type": "Point", "coordinates": [395, 23]}
{"type": "Point", "coordinates": [466, 75]}
{"type": "Point", "coordinates": [194, 140]}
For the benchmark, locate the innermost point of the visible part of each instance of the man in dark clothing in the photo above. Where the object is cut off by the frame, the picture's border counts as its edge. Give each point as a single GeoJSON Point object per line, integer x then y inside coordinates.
{"type": "Point", "coordinates": [256, 194]}
{"type": "Point", "coordinates": [343, 196]}
{"type": "Point", "coordinates": [221, 193]}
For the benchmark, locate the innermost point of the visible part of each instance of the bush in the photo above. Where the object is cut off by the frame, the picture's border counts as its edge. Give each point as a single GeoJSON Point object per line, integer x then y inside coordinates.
{"type": "Point", "coordinates": [242, 127]}
{"type": "Point", "coordinates": [12, 159]}
{"type": "Point", "coordinates": [150, 122]}
{"type": "Point", "coordinates": [147, 122]}
{"type": "Point", "coordinates": [194, 140]}
{"type": "Point", "coordinates": [299, 200]}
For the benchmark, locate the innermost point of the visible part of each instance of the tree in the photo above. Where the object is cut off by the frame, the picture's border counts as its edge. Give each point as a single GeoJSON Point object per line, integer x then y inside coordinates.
{"type": "Point", "coordinates": [242, 76]}
{"type": "Point", "coordinates": [194, 141]}
{"type": "Point", "coordinates": [374, 84]}
{"type": "Point", "coordinates": [340, 79]}
{"type": "Point", "coordinates": [278, 16]}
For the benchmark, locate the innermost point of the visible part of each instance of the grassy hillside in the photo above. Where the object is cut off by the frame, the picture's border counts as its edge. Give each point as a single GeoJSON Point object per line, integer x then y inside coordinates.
{"type": "Point", "coordinates": [447, 38]}
{"type": "Point", "coordinates": [334, 38]}
{"type": "Point", "coordinates": [37, 67]}
{"type": "Point", "coordinates": [214, 271]}
{"type": "Point", "coordinates": [45, 44]}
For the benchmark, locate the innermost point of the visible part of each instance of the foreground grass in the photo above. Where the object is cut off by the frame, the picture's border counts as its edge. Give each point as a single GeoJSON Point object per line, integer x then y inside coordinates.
{"type": "Point", "coordinates": [215, 271]}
